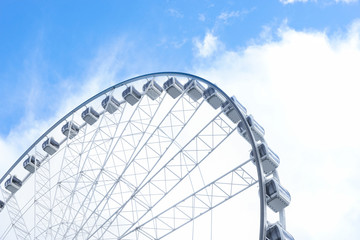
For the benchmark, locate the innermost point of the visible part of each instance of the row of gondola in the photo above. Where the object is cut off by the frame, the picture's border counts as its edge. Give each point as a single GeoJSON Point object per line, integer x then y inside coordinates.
{"type": "Point", "coordinates": [277, 197]}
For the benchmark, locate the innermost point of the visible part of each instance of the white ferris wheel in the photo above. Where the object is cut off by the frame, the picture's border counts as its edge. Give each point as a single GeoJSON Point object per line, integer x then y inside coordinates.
{"type": "Point", "coordinates": [160, 156]}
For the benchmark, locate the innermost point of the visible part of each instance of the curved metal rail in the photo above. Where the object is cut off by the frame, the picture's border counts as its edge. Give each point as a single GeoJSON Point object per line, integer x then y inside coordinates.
{"type": "Point", "coordinates": [261, 177]}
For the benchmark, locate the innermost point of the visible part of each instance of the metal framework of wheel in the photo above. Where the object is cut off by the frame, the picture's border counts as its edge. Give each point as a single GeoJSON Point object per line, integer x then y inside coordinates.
{"type": "Point", "coordinates": [159, 156]}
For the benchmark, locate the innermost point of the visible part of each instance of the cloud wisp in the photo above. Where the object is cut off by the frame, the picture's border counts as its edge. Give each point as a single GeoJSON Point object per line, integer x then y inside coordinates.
{"type": "Point", "coordinates": [292, 1]}
{"type": "Point", "coordinates": [208, 46]}
{"type": "Point", "coordinates": [226, 16]}
{"type": "Point", "coordinates": [101, 72]}
{"type": "Point", "coordinates": [175, 13]}
{"type": "Point", "coordinates": [304, 1]}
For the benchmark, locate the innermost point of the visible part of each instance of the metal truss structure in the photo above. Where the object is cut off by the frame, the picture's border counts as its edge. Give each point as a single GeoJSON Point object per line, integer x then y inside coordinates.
{"type": "Point", "coordinates": [145, 168]}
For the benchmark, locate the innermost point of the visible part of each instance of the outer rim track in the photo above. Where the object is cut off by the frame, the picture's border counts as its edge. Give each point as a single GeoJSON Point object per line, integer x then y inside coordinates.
{"type": "Point", "coordinates": [260, 174]}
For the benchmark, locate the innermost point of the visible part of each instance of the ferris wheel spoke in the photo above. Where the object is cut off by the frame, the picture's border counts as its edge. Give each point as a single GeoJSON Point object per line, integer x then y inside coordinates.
{"type": "Point", "coordinates": [155, 147]}
{"type": "Point", "coordinates": [131, 135]}
{"type": "Point", "coordinates": [106, 132]}
{"type": "Point", "coordinates": [195, 205]}
{"type": "Point", "coordinates": [142, 167]}
{"type": "Point", "coordinates": [16, 216]}
{"type": "Point", "coordinates": [140, 130]}
{"type": "Point", "coordinates": [73, 183]}
{"type": "Point", "coordinates": [183, 163]}
{"type": "Point", "coordinates": [55, 226]}
{"type": "Point", "coordinates": [41, 202]}
{"type": "Point", "coordinates": [42, 198]}
{"type": "Point", "coordinates": [68, 174]}
{"type": "Point", "coordinates": [173, 172]}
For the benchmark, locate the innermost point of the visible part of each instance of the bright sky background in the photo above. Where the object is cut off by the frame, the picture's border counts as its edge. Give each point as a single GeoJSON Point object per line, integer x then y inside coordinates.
{"type": "Point", "coordinates": [295, 64]}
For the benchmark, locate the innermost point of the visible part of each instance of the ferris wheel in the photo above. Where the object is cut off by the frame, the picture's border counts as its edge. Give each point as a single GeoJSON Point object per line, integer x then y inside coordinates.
{"type": "Point", "coordinates": [161, 156]}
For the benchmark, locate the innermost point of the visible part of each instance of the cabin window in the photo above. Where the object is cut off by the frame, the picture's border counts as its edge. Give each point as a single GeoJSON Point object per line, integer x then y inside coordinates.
{"type": "Point", "coordinates": [270, 188]}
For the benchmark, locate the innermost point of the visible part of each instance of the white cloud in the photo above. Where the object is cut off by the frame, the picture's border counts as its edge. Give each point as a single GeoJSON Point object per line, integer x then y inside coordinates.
{"type": "Point", "coordinates": [337, 1]}
{"type": "Point", "coordinates": [226, 15]}
{"type": "Point", "coordinates": [292, 1]}
{"type": "Point", "coordinates": [179, 43]}
{"type": "Point", "coordinates": [175, 13]}
{"type": "Point", "coordinates": [100, 73]}
{"type": "Point", "coordinates": [303, 88]}
{"type": "Point", "coordinates": [346, 1]}
{"type": "Point", "coordinates": [202, 17]}
{"type": "Point", "coordinates": [208, 46]}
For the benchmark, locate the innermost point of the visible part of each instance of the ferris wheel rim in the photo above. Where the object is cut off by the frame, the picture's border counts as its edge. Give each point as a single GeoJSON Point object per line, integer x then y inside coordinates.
{"type": "Point", "coordinates": [260, 173]}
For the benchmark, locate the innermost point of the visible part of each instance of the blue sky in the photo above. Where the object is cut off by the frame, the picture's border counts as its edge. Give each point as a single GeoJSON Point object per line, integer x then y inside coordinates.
{"type": "Point", "coordinates": [56, 40]}
{"type": "Point", "coordinates": [293, 63]}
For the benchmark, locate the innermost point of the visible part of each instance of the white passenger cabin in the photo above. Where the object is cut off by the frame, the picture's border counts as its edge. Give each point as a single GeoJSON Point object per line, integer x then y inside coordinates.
{"type": "Point", "coordinates": [257, 130]}
{"type": "Point", "coordinates": [90, 115]}
{"type": "Point", "coordinates": [270, 161]}
{"type": "Point", "coordinates": [2, 205]}
{"type": "Point", "coordinates": [277, 197]}
{"type": "Point", "coordinates": [131, 95]}
{"type": "Point", "coordinates": [277, 232]}
{"type": "Point", "coordinates": [70, 130]}
{"type": "Point", "coordinates": [13, 184]}
{"type": "Point", "coordinates": [194, 89]}
{"type": "Point", "coordinates": [29, 164]}
{"type": "Point", "coordinates": [50, 146]}
{"type": "Point", "coordinates": [152, 89]}
{"type": "Point", "coordinates": [110, 104]}
{"type": "Point", "coordinates": [173, 87]}
{"type": "Point", "coordinates": [214, 98]}
{"type": "Point", "coordinates": [230, 111]}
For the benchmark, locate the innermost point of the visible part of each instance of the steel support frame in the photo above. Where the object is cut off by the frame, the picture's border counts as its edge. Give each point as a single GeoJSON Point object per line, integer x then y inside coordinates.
{"type": "Point", "coordinates": [261, 177]}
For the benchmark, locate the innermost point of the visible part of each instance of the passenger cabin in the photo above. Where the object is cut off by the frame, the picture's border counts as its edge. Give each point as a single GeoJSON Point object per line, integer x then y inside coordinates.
{"type": "Point", "coordinates": [50, 146]}
{"type": "Point", "coordinates": [214, 98]}
{"type": "Point", "coordinates": [194, 89]}
{"type": "Point", "coordinates": [110, 104]}
{"type": "Point", "coordinates": [230, 111]}
{"type": "Point", "coordinates": [70, 130]}
{"type": "Point", "coordinates": [152, 89]}
{"type": "Point", "coordinates": [173, 87]}
{"type": "Point", "coordinates": [257, 130]}
{"type": "Point", "coordinates": [90, 115]}
{"type": "Point", "coordinates": [270, 161]}
{"type": "Point", "coordinates": [30, 163]}
{"type": "Point", "coordinates": [277, 197]}
{"type": "Point", "coordinates": [13, 184]}
{"type": "Point", "coordinates": [277, 232]}
{"type": "Point", "coordinates": [131, 95]}
{"type": "Point", "coordinates": [2, 205]}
